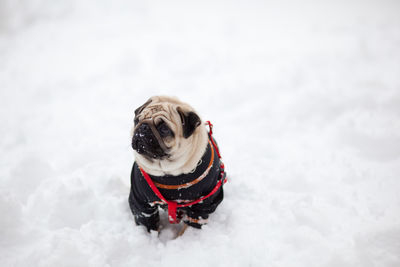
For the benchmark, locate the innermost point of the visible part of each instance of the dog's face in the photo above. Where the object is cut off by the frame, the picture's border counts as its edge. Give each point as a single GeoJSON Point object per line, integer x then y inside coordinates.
{"type": "Point", "coordinates": [166, 131]}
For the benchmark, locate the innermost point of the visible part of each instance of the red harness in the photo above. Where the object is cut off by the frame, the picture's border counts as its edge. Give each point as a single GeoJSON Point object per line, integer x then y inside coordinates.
{"type": "Point", "coordinates": [172, 205]}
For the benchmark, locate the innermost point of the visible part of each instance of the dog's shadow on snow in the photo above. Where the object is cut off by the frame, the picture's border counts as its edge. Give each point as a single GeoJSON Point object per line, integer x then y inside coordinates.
{"type": "Point", "coordinates": [168, 231]}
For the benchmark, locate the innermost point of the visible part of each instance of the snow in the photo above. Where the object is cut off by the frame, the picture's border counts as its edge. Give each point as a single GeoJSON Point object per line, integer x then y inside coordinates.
{"type": "Point", "coordinates": [305, 102]}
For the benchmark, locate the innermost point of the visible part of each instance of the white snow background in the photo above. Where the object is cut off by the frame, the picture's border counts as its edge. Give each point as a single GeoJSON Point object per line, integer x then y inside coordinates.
{"type": "Point", "coordinates": [304, 96]}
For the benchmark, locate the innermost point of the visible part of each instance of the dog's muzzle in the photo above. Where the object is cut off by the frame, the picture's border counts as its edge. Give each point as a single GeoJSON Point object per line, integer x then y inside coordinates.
{"type": "Point", "coordinates": [147, 141]}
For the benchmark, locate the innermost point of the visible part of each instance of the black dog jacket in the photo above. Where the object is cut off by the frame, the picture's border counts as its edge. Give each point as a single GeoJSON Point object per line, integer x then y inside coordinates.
{"type": "Point", "coordinates": [180, 189]}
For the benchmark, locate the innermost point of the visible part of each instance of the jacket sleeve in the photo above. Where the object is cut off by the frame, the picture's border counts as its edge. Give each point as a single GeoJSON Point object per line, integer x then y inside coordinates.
{"type": "Point", "coordinates": [144, 213]}
{"type": "Point", "coordinates": [197, 215]}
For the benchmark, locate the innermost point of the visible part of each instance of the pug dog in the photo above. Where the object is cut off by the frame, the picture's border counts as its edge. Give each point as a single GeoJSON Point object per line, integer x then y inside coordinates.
{"type": "Point", "coordinates": [177, 165]}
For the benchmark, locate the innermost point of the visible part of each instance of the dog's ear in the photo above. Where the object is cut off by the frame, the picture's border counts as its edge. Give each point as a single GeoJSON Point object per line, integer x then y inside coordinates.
{"type": "Point", "coordinates": [190, 121]}
{"type": "Point", "coordinates": [140, 109]}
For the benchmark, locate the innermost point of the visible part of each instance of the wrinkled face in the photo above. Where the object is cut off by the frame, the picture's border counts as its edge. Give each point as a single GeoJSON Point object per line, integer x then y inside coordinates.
{"type": "Point", "coordinates": [161, 127]}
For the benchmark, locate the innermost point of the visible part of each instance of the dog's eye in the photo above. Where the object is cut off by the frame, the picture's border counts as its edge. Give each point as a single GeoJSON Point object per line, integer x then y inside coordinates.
{"type": "Point", "coordinates": [136, 121]}
{"type": "Point", "coordinates": [164, 130]}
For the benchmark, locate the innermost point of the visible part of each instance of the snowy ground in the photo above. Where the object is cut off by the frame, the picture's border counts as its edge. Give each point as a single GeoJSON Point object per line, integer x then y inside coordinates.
{"type": "Point", "coordinates": [305, 98]}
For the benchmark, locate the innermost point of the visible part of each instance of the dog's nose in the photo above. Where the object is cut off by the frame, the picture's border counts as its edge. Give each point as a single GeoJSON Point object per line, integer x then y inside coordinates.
{"type": "Point", "coordinates": [144, 140]}
{"type": "Point", "coordinates": [138, 140]}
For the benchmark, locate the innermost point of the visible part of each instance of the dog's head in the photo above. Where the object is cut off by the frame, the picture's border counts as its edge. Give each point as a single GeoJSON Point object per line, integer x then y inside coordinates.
{"type": "Point", "coordinates": [167, 136]}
